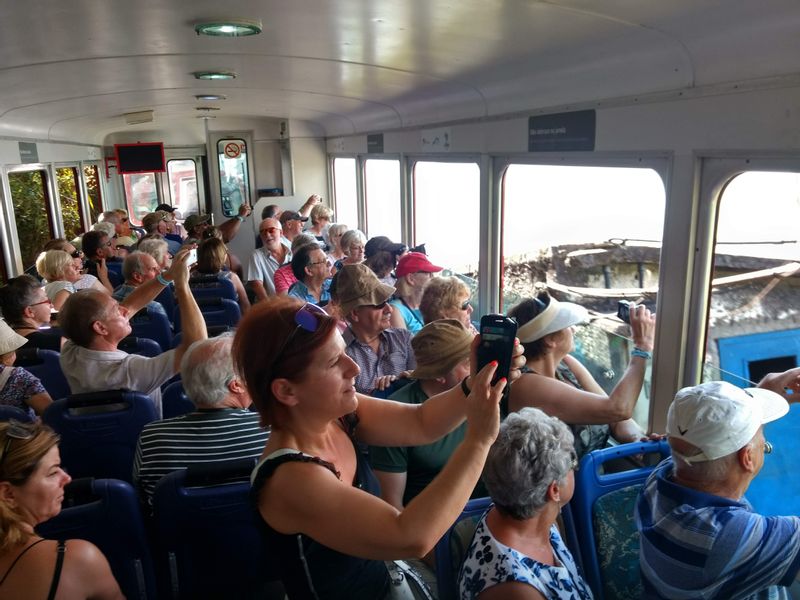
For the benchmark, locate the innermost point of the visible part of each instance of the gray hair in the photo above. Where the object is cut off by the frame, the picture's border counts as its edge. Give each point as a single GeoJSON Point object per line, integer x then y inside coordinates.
{"type": "Point", "coordinates": [207, 369]}
{"type": "Point", "coordinates": [106, 227]}
{"type": "Point", "coordinates": [303, 239]}
{"type": "Point", "coordinates": [349, 237]}
{"type": "Point", "coordinates": [134, 264]}
{"type": "Point", "coordinates": [532, 451]}
{"type": "Point", "coordinates": [157, 248]}
{"type": "Point", "coordinates": [109, 216]}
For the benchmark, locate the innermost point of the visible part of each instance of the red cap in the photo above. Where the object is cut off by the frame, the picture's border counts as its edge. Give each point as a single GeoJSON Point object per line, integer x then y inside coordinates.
{"type": "Point", "coordinates": [414, 262]}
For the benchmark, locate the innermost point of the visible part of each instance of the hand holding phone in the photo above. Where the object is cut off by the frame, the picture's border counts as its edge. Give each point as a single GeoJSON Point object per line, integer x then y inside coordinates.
{"type": "Point", "coordinates": [192, 259]}
{"type": "Point", "coordinates": [498, 333]}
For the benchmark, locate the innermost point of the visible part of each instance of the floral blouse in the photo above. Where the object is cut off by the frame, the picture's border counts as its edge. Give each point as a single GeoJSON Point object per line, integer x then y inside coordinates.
{"type": "Point", "coordinates": [21, 385]}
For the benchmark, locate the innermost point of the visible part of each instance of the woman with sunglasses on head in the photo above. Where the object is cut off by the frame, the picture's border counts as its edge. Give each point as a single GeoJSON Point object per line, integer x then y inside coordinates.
{"type": "Point", "coordinates": [58, 268]}
{"type": "Point", "coordinates": [556, 382]}
{"type": "Point", "coordinates": [447, 298]}
{"type": "Point", "coordinates": [516, 551]}
{"type": "Point", "coordinates": [31, 491]}
{"type": "Point", "coordinates": [314, 490]}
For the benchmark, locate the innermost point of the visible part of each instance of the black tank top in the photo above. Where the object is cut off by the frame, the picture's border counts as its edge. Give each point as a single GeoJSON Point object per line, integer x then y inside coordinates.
{"type": "Point", "coordinates": [309, 569]}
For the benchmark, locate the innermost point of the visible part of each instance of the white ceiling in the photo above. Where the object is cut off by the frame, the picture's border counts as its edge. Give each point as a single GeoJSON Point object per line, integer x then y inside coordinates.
{"type": "Point", "coordinates": [70, 68]}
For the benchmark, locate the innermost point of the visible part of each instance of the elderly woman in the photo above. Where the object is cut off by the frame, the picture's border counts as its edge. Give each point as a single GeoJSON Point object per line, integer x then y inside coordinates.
{"type": "Point", "coordinates": [517, 551]}
{"type": "Point", "coordinates": [18, 387]}
{"type": "Point", "coordinates": [561, 386]}
{"type": "Point", "coordinates": [156, 246]}
{"type": "Point", "coordinates": [31, 491]}
{"type": "Point", "coordinates": [352, 242]}
{"type": "Point", "coordinates": [447, 298]}
{"type": "Point", "coordinates": [310, 267]}
{"type": "Point", "coordinates": [314, 490]}
{"type": "Point", "coordinates": [335, 233]}
{"type": "Point", "coordinates": [87, 280]}
{"type": "Point", "coordinates": [58, 268]}
{"type": "Point", "coordinates": [211, 255]}
{"type": "Point", "coordinates": [414, 271]}
{"type": "Point", "coordinates": [26, 308]}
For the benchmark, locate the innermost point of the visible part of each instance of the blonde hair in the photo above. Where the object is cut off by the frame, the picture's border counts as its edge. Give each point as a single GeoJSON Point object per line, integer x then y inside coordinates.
{"type": "Point", "coordinates": [19, 461]}
{"type": "Point", "coordinates": [441, 295]}
{"type": "Point", "coordinates": [320, 211]}
{"type": "Point", "coordinates": [155, 247]}
{"type": "Point", "coordinates": [50, 264]}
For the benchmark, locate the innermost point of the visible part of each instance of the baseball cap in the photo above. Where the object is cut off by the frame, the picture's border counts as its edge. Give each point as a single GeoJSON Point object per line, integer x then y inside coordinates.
{"type": "Point", "coordinates": [290, 215]}
{"type": "Point", "coordinates": [166, 208]}
{"type": "Point", "coordinates": [439, 347]}
{"type": "Point", "coordinates": [150, 220]}
{"type": "Point", "coordinates": [414, 262]}
{"type": "Point", "coordinates": [381, 242]}
{"type": "Point", "coordinates": [357, 285]}
{"type": "Point", "coordinates": [555, 317]}
{"type": "Point", "coordinates": [719, 418]}
{"type": "Point", "coordinates": [194, 220]}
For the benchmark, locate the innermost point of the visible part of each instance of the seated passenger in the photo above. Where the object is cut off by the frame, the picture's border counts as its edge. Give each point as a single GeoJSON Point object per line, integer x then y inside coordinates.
{"type": "Point", "coordinates": [157, 222]}
{"type": "Point", "coordinates": [211, 256]}
{"type": "Point", "coordinates": [26, 308]}
{"type": "Point", "coordinates": [414, 271]}
{"type": "Point", "coordinates": [266, 260]}
{"type": "Point", "coordinates": [232, 262]}
{"type": "Point", "coordinates": [126, 236]}
{"type": "Point", "coordinates": [516, 551]}
{"type": "Point", "coordinates": [220, 429]}
{"type": "Point", "coordinates": [447, 298]}
{"type": "Point", "coordinates": [320, 217]}
{"type": "Point", "coordinates": [284, 277]}
{"type": "Point", "coordinates": [315, 493]}
{"type": "Point", "coordinates": [57, 267]}
{"type": "Point", "coordinates": [441, 350]}
{"type": "Point", "coordinates": [138, 268]}
{"type": "Point", "coordinates": [87, 280]}
{"type": "Point", "coordinates": [18, 387]}
{"type": "Point", "coordinates": [156, 246]}
{"type": "Point", "coordinates": [698, 534]}
{"type": "Point", "coordinates": [31, 491]}
{"type": "Point", "coordinates": [310, 267]}
{"type": "Point", "coordinates": [353, 247]}
{"type": "Point", "coordinates": [99, 250]}
{"type": "Point", "coordinates": [561, 386]}
{"type": "Point", "coordinates": [94, 323]}
{"type": "Point", "coordinates": [335, 233]}
{"type": "Point", "coordinates": [381, 352]}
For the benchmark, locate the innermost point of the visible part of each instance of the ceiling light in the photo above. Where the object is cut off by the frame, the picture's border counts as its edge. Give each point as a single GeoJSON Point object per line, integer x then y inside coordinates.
{"type": "Point", "coordinates": [229, 27]}
{"type": "Point", "coordinates": [210, 97]}
{"type": "Point", "coordinates": [214, 75]}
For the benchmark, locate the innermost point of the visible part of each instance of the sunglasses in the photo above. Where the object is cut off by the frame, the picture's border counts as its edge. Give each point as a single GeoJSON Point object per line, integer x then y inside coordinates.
{"type": "Point", "coordinates": [306, 318]}
{"type": "Point", "coordinates": [16, 430]}
{"type": "Point", "coordinates": [77, 254]}
{"type": "Point", "coordinates": [271, 230]}
{"type": "Point", "coordinates": [377, 306]}
{"type": "Point", "coordinates": [465, 305]}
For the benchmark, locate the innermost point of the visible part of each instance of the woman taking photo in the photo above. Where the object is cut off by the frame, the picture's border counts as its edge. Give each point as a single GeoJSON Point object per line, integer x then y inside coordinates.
{"type": "Point", "coordinates": [561, 386]}
{"type": "Point", "coordinates": [31, 491]}
{"type": "Point", "coordinates": [314, 490]}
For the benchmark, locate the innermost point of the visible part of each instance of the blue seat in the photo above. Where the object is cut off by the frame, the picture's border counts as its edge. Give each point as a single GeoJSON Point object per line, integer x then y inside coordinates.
{"type": "Point", "coordinates": [166, 298]}
{"type": "Point", "coordinates": [106, 512]}
{"type": "Point", "coordinates": [211, 286]}
{"type": "Point", "coordinates": [452, 548]}
{"type": "Point", "coordinates": [153, 325]}
{"type": "Point", "coordinates": [45, 365]}
{"type": "Point", "coordinates": [397, 384]}
{"type": "Point", "coordinates": [602, 518]}
{"type": "Point", "coordinates": [216, 311]}
{"type": "Point", "coordinates": [139, 345]}
{"type": "Point", "coordinates": [12, 412]}
{"type": "Point", "coordinates": [208, 534]}
{"type": "Point", "coordinates": [213, 331]}
{"type": "Point", "coordinates": [175, 402]}
{"type": "Point", "coordinates": [99, 431]}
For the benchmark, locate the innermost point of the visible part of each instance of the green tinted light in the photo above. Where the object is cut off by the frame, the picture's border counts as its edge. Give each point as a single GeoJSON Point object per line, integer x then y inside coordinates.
{"type": "Point", "coordinates": [214, 75]}
{"type": "Point", "coordinates": [229, 28]}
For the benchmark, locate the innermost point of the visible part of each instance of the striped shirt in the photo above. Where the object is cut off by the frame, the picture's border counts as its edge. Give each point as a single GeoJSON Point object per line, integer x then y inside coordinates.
{"type": "Point", "coordinates": [697, 545]}
{"type": "Point", "coordinates": [207, 435]}
{"type": "Point", "coordinates": [394, 356]}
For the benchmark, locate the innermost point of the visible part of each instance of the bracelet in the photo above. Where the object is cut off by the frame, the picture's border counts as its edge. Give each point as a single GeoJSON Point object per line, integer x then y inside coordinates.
{"type": "Point", "coordinates": [641, 353]}
{"type": "Point", "coordinates": [241, 218]}
{"type": "Point", "coordinates": [161, 280]}
{"type": "Point", "coordinates": [464, 387]}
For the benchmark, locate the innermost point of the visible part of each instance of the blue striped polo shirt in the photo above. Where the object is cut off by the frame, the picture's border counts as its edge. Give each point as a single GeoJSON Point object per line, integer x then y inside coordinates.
{"type": "Point", "coordinates": [697, 545]}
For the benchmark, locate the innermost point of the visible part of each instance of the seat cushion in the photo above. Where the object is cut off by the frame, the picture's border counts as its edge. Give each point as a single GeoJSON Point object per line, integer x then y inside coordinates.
{"type": "Point", "coordinates": [617, 542]}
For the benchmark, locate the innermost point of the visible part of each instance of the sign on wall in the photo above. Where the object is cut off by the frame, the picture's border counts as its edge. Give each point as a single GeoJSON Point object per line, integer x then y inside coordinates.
{"type": "Point", "coordinates": [562, 132]}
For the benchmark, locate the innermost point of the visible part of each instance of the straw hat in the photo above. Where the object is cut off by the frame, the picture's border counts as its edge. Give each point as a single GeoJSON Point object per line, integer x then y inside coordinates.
{"type": "Point", "coordinates": [10, 340]}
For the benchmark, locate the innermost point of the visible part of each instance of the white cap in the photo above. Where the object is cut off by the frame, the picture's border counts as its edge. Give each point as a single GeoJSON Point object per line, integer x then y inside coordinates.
{"type": "Point", "coordinates": [10, 340]}
{"type": "Point", "coordinates": [719, 418]}
{"type": "Point", "coordinates": [555, 317]}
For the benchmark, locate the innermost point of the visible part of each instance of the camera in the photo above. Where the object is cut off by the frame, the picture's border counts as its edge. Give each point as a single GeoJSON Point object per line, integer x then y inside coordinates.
{"type": "Point", "coordinates": [624, 310]}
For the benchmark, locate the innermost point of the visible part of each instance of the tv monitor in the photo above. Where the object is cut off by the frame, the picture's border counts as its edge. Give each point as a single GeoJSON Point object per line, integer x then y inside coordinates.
{"type": "Point", "coordinates": [145, 157]}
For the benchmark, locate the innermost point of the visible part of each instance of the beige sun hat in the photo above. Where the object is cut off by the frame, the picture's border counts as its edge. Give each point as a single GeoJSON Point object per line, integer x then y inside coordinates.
{"type": "Point", "coordinates": [10, 340]}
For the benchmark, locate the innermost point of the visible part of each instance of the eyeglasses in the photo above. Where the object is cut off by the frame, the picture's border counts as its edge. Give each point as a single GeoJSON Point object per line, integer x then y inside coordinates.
{"type": "Point", "coordinates": [77, 254]}
{"type": "Point", "coordinates": [270, 230]}
{"type": "Point", "coordinates": [574, 464]}
{"type": "Point", "coordinates": [465, 305]}
{"type": "Point", "coordinates": [16, 430]}
{"type": "Point", "coordinates": [306, 318]}
{"type": "Point", "coordinates": [45, 301]}
{"type": "Point", "coordinates": [319, 262]}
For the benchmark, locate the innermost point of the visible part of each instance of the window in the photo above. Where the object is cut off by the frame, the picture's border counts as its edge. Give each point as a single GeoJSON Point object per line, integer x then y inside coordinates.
{"type": "Point", "coordinates": [234, 184]}
{"type": "Point", "coordinates": [141, 195]}
{"type": "Point", "coordinates": [29, 199]}
{"type": "Point", "coordinates": [382, 180]}
{"type": "Point", "coordinates": [93, 196]}
{"type": "Point", "coordinates": [183, 186]}
{"type": "Point", "coordinates": [345, 190]}
{"type": "Point", "coordinates": [592, 234]}
{"type": "Point", "coordinates": [71, 213]}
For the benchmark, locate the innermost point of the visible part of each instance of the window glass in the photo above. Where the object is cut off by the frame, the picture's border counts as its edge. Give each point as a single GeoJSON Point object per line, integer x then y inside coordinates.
{"type": "Point", "coordinates": [447, 215]}
{"type": "Point", "coordinates": [29, 199]}
{"type": "Point", "coordinates": [183, 186]}
{"type": "Point", "coordinates": [345, 192]}
{"type": "Point", "coordinates": [94, 199]}
{"type": "Point", "coordinates": [141, 195]}
{"type": "Point", "coordinates": [233, 179]}
{"type": "Point", "coordinates": [590, 235]}
{"type": "Point", "coordinates": [71, 214]}
{"type": "Point", "coordinates": [382, 191]}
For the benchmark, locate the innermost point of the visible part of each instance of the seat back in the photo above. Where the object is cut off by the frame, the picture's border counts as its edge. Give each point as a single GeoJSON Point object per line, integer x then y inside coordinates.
{"type": "Point", "coordinates": [213, 331]}
{"type": "Point", "coordinates": [99, 431]}
{"type": "Point", "coordinates": [12, 412]}
{"type": "Point", "coordinates": [174, 401]}
{"type": "Point", "coordinates": [209, 542]}
{"type": "Point", "coordinates": [452, 547]}
{"type": "Point", "coordinates": [153, 325]}
{"type": "Point", "coordinates": [602, 517]}
{"type": "Point", "coordinates": [216, 311]}
{"type": "Point", "coordinates": [106, 512]}
{"type": "Point", "coordinates": [211, 286]}
{"type": "Point", "coordinates": [140, 345]}
{"type": "Point", "coordinates": [166, 298]}
{"type": "Point", "coordinates": [45, 365]}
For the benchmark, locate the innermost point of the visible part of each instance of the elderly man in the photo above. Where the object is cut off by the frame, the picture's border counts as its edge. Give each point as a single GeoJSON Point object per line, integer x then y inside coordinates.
{"type": "Point", "coordinates": [312, 273]}
{"type": "Point", "coordinates": [381, 352]}
{"type": "Point", "coordinates": [138, 268]}
{"type": "Point", "coordinates": [441, 350]}
{"type": "Point", "coordinates": [94, 323]}
{"type": "Point", "coordinates": [220, 429]}
{"type": "Point", "coordinates": [292, 224]}
{"type": "Point", "coordinates": [196, 224]}
{"type": "Point", "coordinates": [699, 536]}
{"type": "Point", "coordinates": [266, 260]}
{"type": "Point", "coordinates": [158, 222]}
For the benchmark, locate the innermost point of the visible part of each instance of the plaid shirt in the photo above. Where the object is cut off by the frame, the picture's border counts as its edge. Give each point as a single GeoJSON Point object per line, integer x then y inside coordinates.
{"type": "Point", "coordinates": [394, 356]}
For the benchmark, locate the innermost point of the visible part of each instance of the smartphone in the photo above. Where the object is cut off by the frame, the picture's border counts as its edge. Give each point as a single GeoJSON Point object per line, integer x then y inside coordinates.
{"type": "Point", "coordinates": [624, 310]}
{"type": "Point", "coordinates": [497, 343]}
{"type": "Point", "coordinates": [192, 260]}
